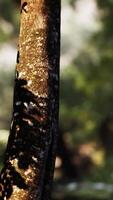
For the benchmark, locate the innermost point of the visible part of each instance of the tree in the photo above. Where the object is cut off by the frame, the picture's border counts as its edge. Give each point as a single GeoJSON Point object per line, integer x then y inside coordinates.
{"type": "Point", "coordinates": [30, 154]}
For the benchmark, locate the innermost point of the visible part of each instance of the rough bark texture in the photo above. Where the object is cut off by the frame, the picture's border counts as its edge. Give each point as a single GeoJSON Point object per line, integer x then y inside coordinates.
{"type": "Point", "coordinates": [30, 155]}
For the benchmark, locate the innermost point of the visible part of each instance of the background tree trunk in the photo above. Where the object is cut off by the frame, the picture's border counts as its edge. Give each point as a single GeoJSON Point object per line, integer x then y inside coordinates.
{"type": "Point", "coordinates": [30, 155]}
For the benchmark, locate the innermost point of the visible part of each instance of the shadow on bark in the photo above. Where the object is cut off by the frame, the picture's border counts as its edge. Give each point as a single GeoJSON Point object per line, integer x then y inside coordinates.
{"type": "Point", "coordinates": [25, 140]}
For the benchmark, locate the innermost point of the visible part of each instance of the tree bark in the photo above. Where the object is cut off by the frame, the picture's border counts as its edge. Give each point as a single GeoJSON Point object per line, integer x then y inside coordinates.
{"type": "Point", "coordinates": [30, 155]}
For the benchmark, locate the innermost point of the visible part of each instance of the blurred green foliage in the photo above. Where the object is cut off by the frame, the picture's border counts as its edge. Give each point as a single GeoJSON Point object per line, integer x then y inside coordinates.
{"type": "Point", "coordinates": [87, 90]}
{"type": "Point", "coordinates": [9, 13]}
{"type": "Point", "coordinates": [6, 97]}
{"type": "Point", "coordinates": [81, 192]}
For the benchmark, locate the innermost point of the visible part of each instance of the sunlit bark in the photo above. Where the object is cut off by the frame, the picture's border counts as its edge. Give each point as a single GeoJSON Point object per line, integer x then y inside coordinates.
{"type": "Point", "coordinates": [29, 162]}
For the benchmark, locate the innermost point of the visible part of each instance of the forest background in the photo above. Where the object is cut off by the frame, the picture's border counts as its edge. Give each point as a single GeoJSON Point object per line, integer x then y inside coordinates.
{"type": "Point", "coordinates": [85, 152]}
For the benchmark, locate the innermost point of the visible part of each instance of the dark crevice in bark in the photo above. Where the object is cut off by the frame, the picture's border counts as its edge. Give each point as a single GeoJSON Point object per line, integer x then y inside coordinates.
{"type": "Point", "coordinates": [23, 7]}
{"type": "Point", "coordinates": [53, 50]}
{"type": "Point", "coordinates": [29, 138]}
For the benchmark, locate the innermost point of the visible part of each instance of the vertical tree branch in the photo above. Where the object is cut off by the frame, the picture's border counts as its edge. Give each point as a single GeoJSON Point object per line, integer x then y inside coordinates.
{"type": "Point", "coordinates": [30, 155]}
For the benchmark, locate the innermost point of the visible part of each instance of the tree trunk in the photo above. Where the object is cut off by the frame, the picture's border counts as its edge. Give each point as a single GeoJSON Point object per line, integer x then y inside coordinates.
{"type": "Point", "coordinates": [29, 162]}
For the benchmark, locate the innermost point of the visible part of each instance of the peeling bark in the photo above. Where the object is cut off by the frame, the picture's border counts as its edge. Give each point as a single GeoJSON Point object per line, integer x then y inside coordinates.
{"type": "Point", "coordinates": [29, 162]}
